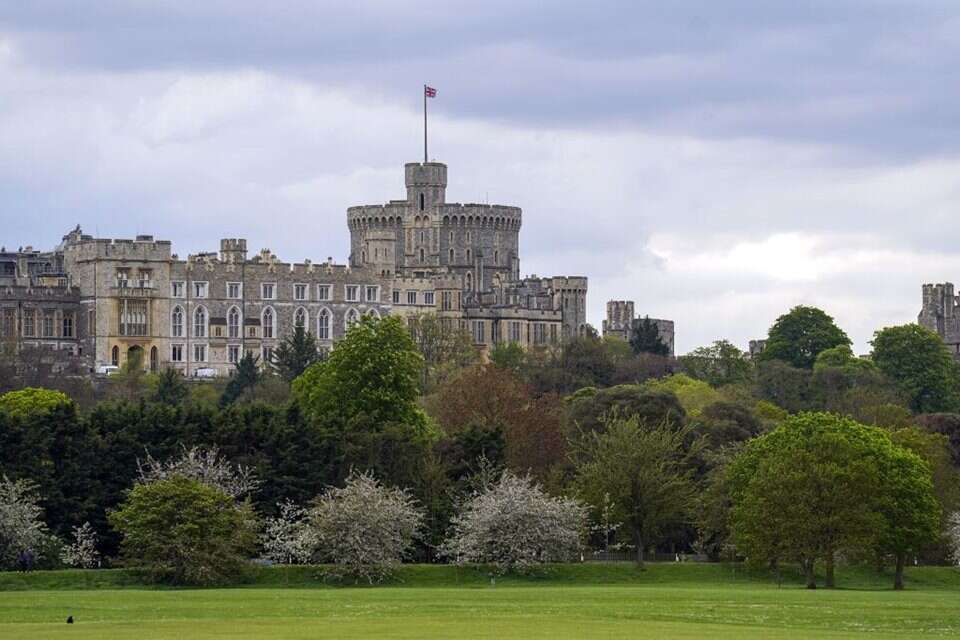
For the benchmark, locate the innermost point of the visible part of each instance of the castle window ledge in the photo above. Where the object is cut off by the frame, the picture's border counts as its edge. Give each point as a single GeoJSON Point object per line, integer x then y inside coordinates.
{"type": "Point", "coordinates": [133, 292]}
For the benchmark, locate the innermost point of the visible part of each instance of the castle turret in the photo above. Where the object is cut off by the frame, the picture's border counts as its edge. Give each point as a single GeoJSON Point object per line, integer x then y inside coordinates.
{"type": "Point", "coordinates": [426, 184]}
{"type": "Point", "coordinates": [233, 250]}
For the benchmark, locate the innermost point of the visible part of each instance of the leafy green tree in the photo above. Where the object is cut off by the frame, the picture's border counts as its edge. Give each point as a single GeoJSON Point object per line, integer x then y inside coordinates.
{"type": "Point", "coordinates": [721, 424]}
{"type": "Point", "coordinates": [920, 363]}
{"type": "Point", "coordinates": [720, 364]}
{"type": "Point", "coordinates": [841, 357]}
{"type": "Point", "coordinates": [588, 409]}
{"type": "Point", "coordinates": [295, 354]}
{"type": "Point", "coordinates": [171, 388]}
{"type": "Point", "coordinates": [784, 385]}
{"type": "Point", "coordinates": [508, 356]}
{"type": "Point", "coordinates": [805, 491]}
{"type": "Point", "coordinates": [246, 376]}
{"type": "Point", "coordinates": [372, 376]}
{"type": "Point", "coordinates": [799, 336]}
{"type": "Point", "coordinates": [693, 395]}
{"type": "Point", "coordinates": [185, 532]}
{"type": "Point", "coordinates": [947, 424]}
{"type": "Point", "coordinates": [645, 338]}
{"type": "Point", "coordinates": [643, 474]}
{"type": "Point", "coordinates": [446, 348]}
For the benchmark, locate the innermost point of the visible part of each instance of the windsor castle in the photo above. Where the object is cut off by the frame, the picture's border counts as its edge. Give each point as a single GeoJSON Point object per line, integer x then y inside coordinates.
{"type": "Point", "coordinates": [100, 301]}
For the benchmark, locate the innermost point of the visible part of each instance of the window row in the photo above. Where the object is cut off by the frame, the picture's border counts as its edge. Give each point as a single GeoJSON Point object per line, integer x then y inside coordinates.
{"type": "Point", "coordinates": [37, 323]}
{"type": "Point", "coordinates": [268, 291]}
{"type": "Point", "coordinates": [537, 332]}
{"type": "Point", "coordinates": [268, 323]}
{"type": "Point", "coordinates": [412, 297]}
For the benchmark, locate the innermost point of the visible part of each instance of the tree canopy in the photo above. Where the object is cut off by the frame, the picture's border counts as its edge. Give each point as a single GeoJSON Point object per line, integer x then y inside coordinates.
{"type": "Point", "coordinates": [919, 362]}
{"type": "Point", "coordinates": [799, 336]}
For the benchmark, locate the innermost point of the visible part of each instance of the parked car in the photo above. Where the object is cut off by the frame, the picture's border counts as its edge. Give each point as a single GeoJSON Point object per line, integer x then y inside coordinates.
{"type": "Point", "coordinates": [106, 369]}
{"type": "Point", "coordinates": [205, 372]}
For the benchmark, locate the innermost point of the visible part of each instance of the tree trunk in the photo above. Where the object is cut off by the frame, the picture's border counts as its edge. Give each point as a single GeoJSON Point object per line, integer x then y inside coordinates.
{"type": "Point", "coordinates": [830, 581]}
{"type": "Point", "coordinates": [638, 537]}
{"type": "Point", "coordinates": [898, 576]}
{"type": "Point", "coordinates": [808, 572]}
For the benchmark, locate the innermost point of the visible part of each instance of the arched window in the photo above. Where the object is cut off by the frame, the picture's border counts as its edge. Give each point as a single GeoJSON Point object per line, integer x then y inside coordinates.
{"type": "Point", "coordinates": [422, 255]}
{"type": "Point", "coordinates": [423, 237]}
{"type": "Point", "coordinates": [352, 316]}
{"type": "Point", "coordinates": [363, 256]}
{"type": "Point", "coordinates": [469, 281]}
{"type": "Point", "coordinates": [300, 318]}
{"type": "Point", "coordinates": [176, 322]}
{"type": "Point", "coordinates": [469, 255]}
{"type": "Point", "coordinates": [323, 325]}
{"type": "Point", "coordinates": [115, 356]}
{"type": "Point", "coordinates": [451, 237]}
{"type": "Point", "coordinates": [451, 256]}
{"type": "Point", "coordinates": [422, 202]}
{"type": "Point", "coordinates": [200, 322]}
{"type": "Point", "coordinates": [267, 322]}
{"type": "Point", "coordinates": [373, 313]}
{"type": "Point", "coordinates": [233, 322]}
{"type": "Point", "coordinates": [496, 257]}
{"type": "Point", "coordinates": [153, 360]}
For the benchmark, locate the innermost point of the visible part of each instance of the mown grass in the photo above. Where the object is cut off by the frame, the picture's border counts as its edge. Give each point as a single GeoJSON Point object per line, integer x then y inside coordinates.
{"type": "Point", "coordinates": [571, 601]}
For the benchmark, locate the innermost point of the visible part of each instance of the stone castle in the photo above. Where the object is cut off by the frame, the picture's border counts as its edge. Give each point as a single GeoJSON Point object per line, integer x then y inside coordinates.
{"type": "Point", "coordinates": [100, 301]}
{"type": "Point", "coordinates": [941, 313]}
{"type": "Point", "coordinates": [621, 320]}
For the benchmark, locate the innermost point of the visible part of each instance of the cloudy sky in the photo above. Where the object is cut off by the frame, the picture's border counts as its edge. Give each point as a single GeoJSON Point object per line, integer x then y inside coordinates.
{"type": "Point", "coordinates": [716, 162]}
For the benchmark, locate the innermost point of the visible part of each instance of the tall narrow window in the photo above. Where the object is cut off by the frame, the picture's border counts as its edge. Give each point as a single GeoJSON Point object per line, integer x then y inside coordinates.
{"type": "Point", "coordinates": [451, 257]}
{"type": "Point", "coordinates": [352, 316]}
{"type": "Point", "coordinates": [268, 323]}
{"type": "Point", "coordinates": [176, 322]}
{"type": "Point", "coordinates": [422, 256]}
{"type": "Point", "coordinates": [469, 281]}
{"type": "Point", "coordinates": [115, 356]}
{"type": "Point", "coordinates": [300, 318]}
{"type": "Point", "coordinates": [422, 202]}
{"type": "Point", "coordinates": [233, 322]}
{"type": "Point", "coordinates": [469, 256]}
{"type": "Point", "coordinates": [323, 325]}
{"type": "Point", "coordinates": [200, 322]}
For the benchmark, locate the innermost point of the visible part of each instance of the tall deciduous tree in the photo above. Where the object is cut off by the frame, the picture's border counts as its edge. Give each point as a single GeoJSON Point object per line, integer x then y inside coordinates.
{"type": "Point", "coordinates": [719, 364]}
{"type": "Point", "coordinates": [805, 492]}
{"type": "Point", "coordinates": [799, 336]}
{"type": "Point", "coordinates": [643, 473]}
{"type": "Point", "coordinates": [446, 348]}
{"type": "Point", "coordinates": [372, 376]}
{"type": "Point", "coordinates": [918, 360]}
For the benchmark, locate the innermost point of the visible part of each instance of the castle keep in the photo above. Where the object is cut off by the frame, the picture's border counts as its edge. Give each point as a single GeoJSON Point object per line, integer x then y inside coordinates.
{"type": "Point", "coordinates": [103, 300]}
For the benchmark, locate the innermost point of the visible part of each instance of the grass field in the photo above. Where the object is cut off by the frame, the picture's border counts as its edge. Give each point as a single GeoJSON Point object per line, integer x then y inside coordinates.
{"type": "Point", "coordinates": [598, 601]}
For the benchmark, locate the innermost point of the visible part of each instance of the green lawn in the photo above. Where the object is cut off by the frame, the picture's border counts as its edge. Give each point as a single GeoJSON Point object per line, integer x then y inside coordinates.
{"type": "Point", "coordinates": [612, 601]}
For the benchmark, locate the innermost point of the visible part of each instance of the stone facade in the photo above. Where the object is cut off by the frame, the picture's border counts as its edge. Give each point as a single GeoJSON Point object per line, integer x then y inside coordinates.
{"type": "Point", "coordinates": [941, 313]}
{"type": "Point", "coordinates": [621, 320]}
{"type": "Point", "coordinates": [200, 314]}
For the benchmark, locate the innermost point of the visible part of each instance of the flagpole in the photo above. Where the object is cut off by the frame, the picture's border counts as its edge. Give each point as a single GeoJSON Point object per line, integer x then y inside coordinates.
{"type": "Point", "coordinates": [424, 124]}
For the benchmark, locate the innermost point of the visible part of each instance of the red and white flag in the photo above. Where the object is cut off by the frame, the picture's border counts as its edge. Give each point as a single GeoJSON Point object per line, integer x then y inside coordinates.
{"type": "Point", "coordinates": [430, 92]}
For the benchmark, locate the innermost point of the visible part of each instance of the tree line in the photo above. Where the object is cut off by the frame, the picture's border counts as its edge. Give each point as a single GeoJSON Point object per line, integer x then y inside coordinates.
{"type": "Point", "coordinates": [710, 453]}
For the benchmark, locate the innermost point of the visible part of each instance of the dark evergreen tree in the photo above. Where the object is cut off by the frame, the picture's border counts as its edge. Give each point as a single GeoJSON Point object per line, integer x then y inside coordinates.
{"type": "Point", "coordinates": [171, 388]}
{"type": "Point", "coordinates": [245, 377]}
{"type": "Point", "coordinates": [295, 353]}
{"type": "Point", "coordinates": [645, 338]}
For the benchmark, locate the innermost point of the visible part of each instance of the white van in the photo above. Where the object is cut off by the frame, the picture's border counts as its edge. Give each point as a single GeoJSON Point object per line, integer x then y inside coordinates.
{"type": "Point", "coordinates": [205, 372]}
{"type": "Point", "coordinates": [106, 369]}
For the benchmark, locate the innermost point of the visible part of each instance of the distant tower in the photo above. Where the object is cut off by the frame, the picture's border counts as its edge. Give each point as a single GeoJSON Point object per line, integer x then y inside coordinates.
{"type": "Point", "coordinates": [426, 185]}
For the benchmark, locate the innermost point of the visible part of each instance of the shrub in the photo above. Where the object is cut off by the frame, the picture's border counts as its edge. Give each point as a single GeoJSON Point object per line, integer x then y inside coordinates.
{"type": "Point", "coordinates": [23, 534]}
{"type": "Point", "coordinates": [185, 532]}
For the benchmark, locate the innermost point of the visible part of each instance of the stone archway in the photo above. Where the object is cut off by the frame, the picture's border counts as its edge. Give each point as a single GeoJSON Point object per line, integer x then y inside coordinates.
{"type": "Point", "coordinates": [135, 354]}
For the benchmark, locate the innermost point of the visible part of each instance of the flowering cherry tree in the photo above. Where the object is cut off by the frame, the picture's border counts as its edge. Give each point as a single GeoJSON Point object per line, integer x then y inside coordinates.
{"type": "Point", "coordinates": [515, 526]}
{"type": "Point", "coordinates": [288, 538]}
{"type": "Point", "coordinates": [22, 530]}
{"type": "Point", "coordinates": [364, 528]}
{"type": "Point", "coordinates": [203, 465]}
{"type": "Point", "coordinates": [83, 552]}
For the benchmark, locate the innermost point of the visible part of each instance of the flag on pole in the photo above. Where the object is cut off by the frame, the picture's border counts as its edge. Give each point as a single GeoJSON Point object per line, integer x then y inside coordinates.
{"type": "Point", "coordinates": [429, 92]}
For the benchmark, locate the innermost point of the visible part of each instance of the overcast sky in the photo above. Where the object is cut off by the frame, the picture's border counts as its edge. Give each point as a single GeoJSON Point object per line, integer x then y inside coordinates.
{"type": "Point", "coordinates": [716, 162]}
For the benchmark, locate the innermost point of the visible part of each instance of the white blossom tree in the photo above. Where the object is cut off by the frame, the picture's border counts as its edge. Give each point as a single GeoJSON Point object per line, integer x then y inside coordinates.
{"type": "Point", "coordinates": [22, 529]}
{"type": "Point", "coordinates": [515, 526]}
{"type": "Point", "coordinates": [953, 533]}
{"type": "Point", "coordinates": [83, 552]}
{"type": "Point", "coordinates": [288, 538]}
{"type": "Point", "coordinates": [202, 465]}
{"type": "Point", "coordinates": [364, 528]}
